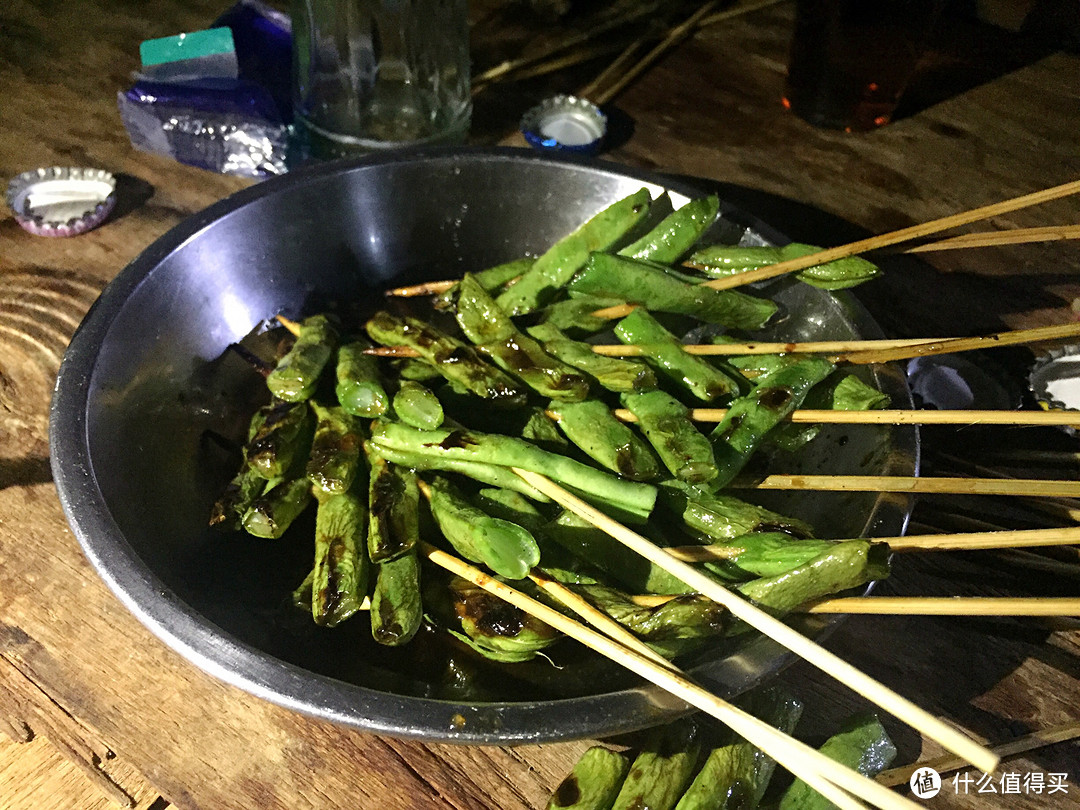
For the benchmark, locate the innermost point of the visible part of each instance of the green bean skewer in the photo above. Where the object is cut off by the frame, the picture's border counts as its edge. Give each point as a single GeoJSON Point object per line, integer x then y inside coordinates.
{"type": "Point", "coordinates": [946, 735]}
{"type": "Point", "coordinates": [825, 775]}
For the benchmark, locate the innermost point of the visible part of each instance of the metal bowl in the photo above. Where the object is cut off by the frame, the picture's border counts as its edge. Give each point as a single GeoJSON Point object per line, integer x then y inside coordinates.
{"type": "Point", "coordinates": [143, 384]}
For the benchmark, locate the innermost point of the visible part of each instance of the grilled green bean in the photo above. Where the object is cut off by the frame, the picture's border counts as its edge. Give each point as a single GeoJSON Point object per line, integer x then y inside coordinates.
{"type": "Point", "coordinates": [847, 564]}
{"type": "Point", "coordinates": [606, 554]}
{"type": "Point", "coordinates": [613, 373]}
{"type": "Point", "coordinates": [271, 514]}
{"type": "Point", "coordinates": [673, 628]}
{"type": "Point", "coordinates": [506, 548]}
{"type": "Point", "coordinates": [296, 375]}
{"type": "Point", "coordinates": [496, 629]}
{"type": "Point", "coordinates": [735, 774]}
{"type": "Point", "coordinates": [845, 393]}
{"type": "Point", "coordinates": [666, 423]}
{"type": "Point", "coordinates": [632, 499]}
{"type": "Point", "coordinates": [484, 323]}
{"type": "Point", "coordinates": [393, 504]}
{"type": "Point", "coordinates": [415, 405]}
{"type": "Point", "coordinates": [457, 362]}
{"type": "Point", "coordinates": [396, 609]}
{"type": "Point", "coordinates": [359, 388]}
{"type": "Point", "coordinates": [662, 291]}
{"type": "Point", "coordinates": [664, 352]}
{"type": "Point", "coordinates": [718, 516]}
{"type": "Point", "coordinates": [765, 554]}
{"type": "Point", "coordinates": [574, 316]}
{"type": "Point", "coordinates": [718, 261]}
{"type": "Point", "coordinates": [339, 577]}
{"type": "Point", "coordinates": [749, 418]}
{"type": "Point", "coordinates": [334, 461]}
{"type": "Point", "coordinates": [282, 436]}
{"type": "Point", "coordinates": [485, 473]}
{"type": "Point", "coordinates": [594, 429]}
{"type": "Point", "coordinates": [556, 266]}
{"type": "Point", "coordinates": [862, 744]}
{"type": "Point", "coordinates": [491, 279]}
{"type": "Point", "coordinates": [228, 510]}
{"type": "Point", "coordinates": [594, 783]}
{"type": "Point", "coordinates": [662, 770]}
{"type": "Point", "coordinates": [507, 504]}
{"type": "Point", "coordinates": [676, 233]}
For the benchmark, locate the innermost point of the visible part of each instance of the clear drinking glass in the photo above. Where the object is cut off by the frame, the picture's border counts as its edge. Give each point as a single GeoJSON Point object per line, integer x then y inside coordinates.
{"type": "Point", "coordinates": [371, 75]}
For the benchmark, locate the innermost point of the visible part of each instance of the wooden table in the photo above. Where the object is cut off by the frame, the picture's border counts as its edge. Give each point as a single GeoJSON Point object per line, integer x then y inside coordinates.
{"type": "Point", "coordinates": [78, 669]}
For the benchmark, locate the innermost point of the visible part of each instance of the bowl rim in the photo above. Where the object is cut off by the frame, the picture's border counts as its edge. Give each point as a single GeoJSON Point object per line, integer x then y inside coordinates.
{"type": "Point", "coordinates": [182, 628]}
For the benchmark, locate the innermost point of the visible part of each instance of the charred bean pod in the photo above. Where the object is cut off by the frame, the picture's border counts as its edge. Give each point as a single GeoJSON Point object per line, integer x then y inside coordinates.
{"type": "Point", "coordinates": [594, 783]}
{"type": "Point", "coordinates": [296, 375]}
{"type": "Point", "coordinates": [676, 233]}
{"type": "Point", "coordinates": [559, 263]}
{"type": "Point", "coordinates": [666, 423]}
{"type": "Point", "coordinates": [750, 417]}
{"type": "Point", "coordinates": [359, 387]}
{"type": "Point", "coordinates": [611, 443]}
{"type": "Point", "coordinates": [339, 576]}
{"type": "Point", "coordinates": [454, 360]}
{"type": "Point", "coordinates": [660, 290]}
{"type": "Point", "coordinates": [664, 352]}
{"type": "Point", "coordinates": [415, 405]}
{"type": "Point", "coordinates": [396, 609]}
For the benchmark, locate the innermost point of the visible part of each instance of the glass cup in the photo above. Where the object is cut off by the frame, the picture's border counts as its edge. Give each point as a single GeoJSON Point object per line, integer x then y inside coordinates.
{"type": "Point", "coordinates": [371, 75]}
{"type": "Point", "coordinates": [852, 59]}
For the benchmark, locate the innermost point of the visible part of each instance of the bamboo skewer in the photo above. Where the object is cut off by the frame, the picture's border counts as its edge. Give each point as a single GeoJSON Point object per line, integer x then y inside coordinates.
{"type": "Point", "coordinates": [1046, 233]}
{"type": "Point", "coordinates": [673, 38]}
{"type": "Point", "coordinates": [855, 352]}
{"type": "Point", "coordinates": [598, 619]}
{"type": "Point", "coordinates": [948, 606]}
{"type": "Point", "coordinates": [1029, 742]}
{"type": "Point", "coordinates": [964, 541]}
{"type": "Point", "coordinates": [618, 66]}
{"type": "Point", "coordinates": [979, 541]}
{"type": "Point", "coordinates": [770, 347]}
{"type": "Point", "coordinates": [1013, 338]}
{"type": "Point", "coordinates": [1036, 487]}
{"type": "Point", "coordinates": [1017, 236]}
{"type": "Point", "coordinates": [896, 237]}
{"type": "Point", "coordinates": [898, 417]}
{"type": "Point", "coordinates": [813, 653]}
{"type": "Point", "coordinates": [923, 605]}
{"type": "Point", "coordinates": [826, 776]}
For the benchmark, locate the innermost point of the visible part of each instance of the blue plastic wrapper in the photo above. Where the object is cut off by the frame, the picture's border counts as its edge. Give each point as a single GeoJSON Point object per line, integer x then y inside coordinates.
{"type": "Point", "coordinates": [220, 123]}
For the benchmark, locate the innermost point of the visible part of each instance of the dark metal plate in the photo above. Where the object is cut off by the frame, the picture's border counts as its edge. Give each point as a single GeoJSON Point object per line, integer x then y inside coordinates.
{"type": "Point", "coordinates": [142, 383]}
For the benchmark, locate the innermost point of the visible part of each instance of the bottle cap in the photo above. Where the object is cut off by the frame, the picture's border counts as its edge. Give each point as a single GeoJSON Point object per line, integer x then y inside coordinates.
{"type": "Point", "coordinates": [59, 201]}
{"type": "Point", "coordinates": [951, 382]}
{"type": "Point", "coordinates": [1055, 378]}
{"type": "Point", "coordinates": [565, 123]}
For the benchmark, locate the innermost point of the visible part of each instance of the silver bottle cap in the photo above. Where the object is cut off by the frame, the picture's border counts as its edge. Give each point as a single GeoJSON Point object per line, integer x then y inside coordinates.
{"type": "Point", "coordinates": [61, 201]}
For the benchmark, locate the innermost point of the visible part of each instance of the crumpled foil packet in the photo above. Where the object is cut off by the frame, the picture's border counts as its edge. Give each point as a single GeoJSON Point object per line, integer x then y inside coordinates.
{"type": "Point", "coordinates": [231, 122]}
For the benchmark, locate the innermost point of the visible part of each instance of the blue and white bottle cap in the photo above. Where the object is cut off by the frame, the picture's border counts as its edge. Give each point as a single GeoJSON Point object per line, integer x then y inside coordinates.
{"type": "Point", "coordinates": [565, 123]}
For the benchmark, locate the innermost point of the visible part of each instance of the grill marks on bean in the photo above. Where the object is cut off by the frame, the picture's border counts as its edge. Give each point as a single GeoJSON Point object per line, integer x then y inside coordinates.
{"type": "Point", "coordinates": [455, 440]}
{"type": "Point", "coordinates": [568, 793]}
{"type": "Point", "coordinates": [331, 594]}
{"type": "Point", "coordinates": [491, 615]}
{"type": "Point", "coordinates": [389, 629]}
{"type": "Point", "coordinates": [775, 398]}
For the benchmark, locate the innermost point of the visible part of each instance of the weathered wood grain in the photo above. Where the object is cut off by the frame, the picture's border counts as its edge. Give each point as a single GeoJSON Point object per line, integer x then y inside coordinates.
{"type": "Point", "coordinates": [710, 109]}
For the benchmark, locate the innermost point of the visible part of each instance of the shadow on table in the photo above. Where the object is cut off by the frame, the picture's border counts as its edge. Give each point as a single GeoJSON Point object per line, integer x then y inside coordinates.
{"type": "Point", "coordinates": [965, 53]}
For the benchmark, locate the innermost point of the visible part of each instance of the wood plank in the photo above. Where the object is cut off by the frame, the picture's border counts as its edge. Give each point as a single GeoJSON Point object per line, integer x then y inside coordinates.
{"type": "Point", "coordinates": [710, 109]}
{"type": "Point", "coordinates": [35, 776]}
